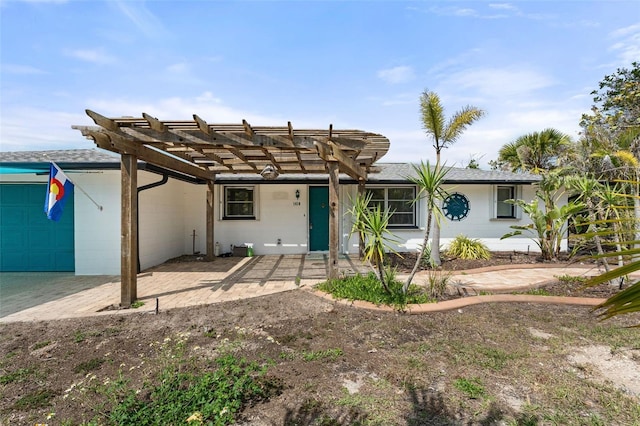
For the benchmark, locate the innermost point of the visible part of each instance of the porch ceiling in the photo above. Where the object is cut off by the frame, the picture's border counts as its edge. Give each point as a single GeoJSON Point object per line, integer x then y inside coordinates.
{"type": "Point", "coordinates": [197, 148]}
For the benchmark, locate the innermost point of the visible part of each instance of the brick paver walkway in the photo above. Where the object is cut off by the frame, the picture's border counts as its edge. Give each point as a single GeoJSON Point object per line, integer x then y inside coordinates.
{"type": "Point", "coordinates": [193, 283]}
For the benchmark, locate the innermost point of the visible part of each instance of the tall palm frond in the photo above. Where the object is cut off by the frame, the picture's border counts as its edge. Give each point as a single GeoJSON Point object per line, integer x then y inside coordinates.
{"type": "Point", "coordinates": [621, 217]}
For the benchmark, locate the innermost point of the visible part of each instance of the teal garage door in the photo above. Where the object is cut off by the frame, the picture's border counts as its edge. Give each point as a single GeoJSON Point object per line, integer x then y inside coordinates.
{"type": "Point", "coordinates": [28, 240]}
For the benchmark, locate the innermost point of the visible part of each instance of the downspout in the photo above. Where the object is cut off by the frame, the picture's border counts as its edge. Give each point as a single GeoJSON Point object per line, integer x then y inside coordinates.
{"type": "Point", "coordinates": [161, 182]}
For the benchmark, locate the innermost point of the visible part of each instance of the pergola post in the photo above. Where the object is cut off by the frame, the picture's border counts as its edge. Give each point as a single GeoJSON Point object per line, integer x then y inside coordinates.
{"type": "Point", "coordinates": [210, 221]}
{"type": "Point", "coordinates": [334, 224]}
{"type": "Point", "coordinates": [361, 193]}
{"type": "Point", "coordinates": [128, 230]}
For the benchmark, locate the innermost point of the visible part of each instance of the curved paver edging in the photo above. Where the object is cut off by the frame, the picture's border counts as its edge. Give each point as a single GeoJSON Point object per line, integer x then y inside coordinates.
{"type": "Point", "coordinates": [501, 288]}
{"type": "Point", "coordinates": [449, 305]}
{"type": "Point", "coordinates": [520, 266]}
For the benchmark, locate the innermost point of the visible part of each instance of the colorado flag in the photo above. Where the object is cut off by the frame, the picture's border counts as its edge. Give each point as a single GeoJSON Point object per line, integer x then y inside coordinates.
{"type": "Point", "coordinates": [59, 189]}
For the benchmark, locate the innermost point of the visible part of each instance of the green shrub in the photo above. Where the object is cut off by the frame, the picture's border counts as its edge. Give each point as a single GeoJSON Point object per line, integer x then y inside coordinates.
{"type": "Point", "coordinates": [464, 247]}
{"type": "Point", "coordinates": [369, 289]}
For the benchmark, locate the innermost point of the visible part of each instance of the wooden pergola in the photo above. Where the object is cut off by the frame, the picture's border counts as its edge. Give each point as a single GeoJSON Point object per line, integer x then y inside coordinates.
{"type": "Point", "coordinates": [201, 150]}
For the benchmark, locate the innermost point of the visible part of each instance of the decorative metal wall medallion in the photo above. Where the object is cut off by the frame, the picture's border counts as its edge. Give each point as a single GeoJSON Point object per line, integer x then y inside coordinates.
{"type": "Point", "coordinates": [456, 206]}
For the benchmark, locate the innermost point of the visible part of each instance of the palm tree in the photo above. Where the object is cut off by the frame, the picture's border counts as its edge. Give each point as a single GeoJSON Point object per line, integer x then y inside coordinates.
{"type": "Point", "coordinates": [429, 180]}
{"type": "Point", "coordinates": [614, 156]}
{"type": "Point", "coordinates": [443, 133]}
{"type": "Point", "coordinates": [536, 152]}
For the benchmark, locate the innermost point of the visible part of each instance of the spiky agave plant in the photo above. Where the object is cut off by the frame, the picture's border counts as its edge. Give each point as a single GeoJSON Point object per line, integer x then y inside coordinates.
{"type": "Point", "coordinates": [371, 223]}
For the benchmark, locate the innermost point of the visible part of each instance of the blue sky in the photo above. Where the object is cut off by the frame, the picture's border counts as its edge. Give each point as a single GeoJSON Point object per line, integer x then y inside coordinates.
{"type": "Point", "coordinates": [358, 64]}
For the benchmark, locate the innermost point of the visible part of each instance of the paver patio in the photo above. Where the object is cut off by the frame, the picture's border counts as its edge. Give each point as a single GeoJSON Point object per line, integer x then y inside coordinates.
{"type": "Point", "coordinates": [180, 284]}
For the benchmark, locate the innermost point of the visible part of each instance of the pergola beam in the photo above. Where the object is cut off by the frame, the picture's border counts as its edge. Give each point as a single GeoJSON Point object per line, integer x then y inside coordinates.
{"type": "Point", "coordinates": [118, 144]}
{"type": "Point", "coordinates": [329, 151]}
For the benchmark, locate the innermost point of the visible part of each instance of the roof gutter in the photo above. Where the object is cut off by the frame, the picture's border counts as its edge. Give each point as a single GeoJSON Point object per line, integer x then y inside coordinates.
{"type": "Point", "coordinates": [165, 179]}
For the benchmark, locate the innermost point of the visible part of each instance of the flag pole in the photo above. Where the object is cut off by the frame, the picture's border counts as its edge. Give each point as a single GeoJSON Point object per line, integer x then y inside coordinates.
{"type": "Point", "coordinates": [79, 187]}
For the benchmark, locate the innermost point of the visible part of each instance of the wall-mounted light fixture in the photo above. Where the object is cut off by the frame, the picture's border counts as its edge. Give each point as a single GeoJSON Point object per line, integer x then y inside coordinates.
{"type": "Point", "coordinates": [269, 172]}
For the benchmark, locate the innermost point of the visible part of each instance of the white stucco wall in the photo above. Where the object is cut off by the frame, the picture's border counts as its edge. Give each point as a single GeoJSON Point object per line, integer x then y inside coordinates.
{"type": "Point", "coordinates": [97, 232]}
{"type": "Point", "coordinates": [479, 223]}
{"type": "Point", "coordinates": [280, 216]}
{"type": "Point", "coordinates": [161, 225]}
{"type": "Point", "coordinates": [195, 217]}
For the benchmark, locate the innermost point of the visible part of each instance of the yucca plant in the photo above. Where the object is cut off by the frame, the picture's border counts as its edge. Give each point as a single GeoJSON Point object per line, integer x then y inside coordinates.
{"type": "Point", "coordinates": [463, 247]}
{"type": "Point", "coordinates": [429, 181]}
{"type": "Point", "coordinates": [371, 224]}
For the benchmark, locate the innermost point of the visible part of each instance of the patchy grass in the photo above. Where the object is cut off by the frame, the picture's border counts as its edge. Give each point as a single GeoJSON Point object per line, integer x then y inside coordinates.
{"type": "Point", "coordinates": [329, 355]}
{"type": "Point", "coordinates": [40, 345]}
{"type": "Point", "coordinates": [472, 388]}
{"type": "Point", "coordinates": [571, 279]}
{"type": "Point", "coordinates": [38, 399]}
{"type": "Point", "coordinates": [17, 376]}
{"type": "Point", "coordinates": [87, 366]}
{"type": "Point", "coordinates": [537, 292]}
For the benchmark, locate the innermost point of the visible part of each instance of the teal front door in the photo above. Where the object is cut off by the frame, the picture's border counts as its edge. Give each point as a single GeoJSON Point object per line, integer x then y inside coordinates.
{"type": "Point", "coordinates": [29, 241]}
{"type": "Point", "coordinates": [318, 218]}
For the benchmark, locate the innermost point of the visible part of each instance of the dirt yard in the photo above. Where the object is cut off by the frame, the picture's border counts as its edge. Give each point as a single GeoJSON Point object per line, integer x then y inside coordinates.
{"type": "Point", "coordinates": [332, 364]}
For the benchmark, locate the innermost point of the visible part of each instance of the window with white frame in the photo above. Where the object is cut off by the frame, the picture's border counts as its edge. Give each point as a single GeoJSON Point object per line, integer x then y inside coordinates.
{"type": "Point", "coordinates": [239, 202]}
{"type": "Point", "coordinates": [399, 200]}
{"type": "Point", "coordinates": [502, 209]}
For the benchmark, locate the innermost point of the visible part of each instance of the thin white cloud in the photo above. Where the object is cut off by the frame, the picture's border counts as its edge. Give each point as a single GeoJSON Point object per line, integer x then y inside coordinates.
{"type": "Point", "coordinates": [465, 12]}
{"type": "Point", "coordinates": [205, 105]}
{"type": "Point", "coordinates": [502, 6]}
{"type": "Point", "coordinates": [145, 21]}
{"type": "Point", "coordinates": [397, 75]}
{"type": "Point", "coordinates": [626, 31]}
{"type": "Point", "coordinates": [21, 69]}
{"type": "Point", "coordinates": [627, 44]}
{"type": "Point", "coordinates": [179, 68]}
{"type": "Point", "coordinates": [497, 82]}
{"type": "Point", "coordinates": [95, 56]}
{"type": "Point", "coordinates": [18, 133]}
{"type": "Point", "coordinates": [397, 99]}
{"type": "Point", "coordinates": [502, 11]}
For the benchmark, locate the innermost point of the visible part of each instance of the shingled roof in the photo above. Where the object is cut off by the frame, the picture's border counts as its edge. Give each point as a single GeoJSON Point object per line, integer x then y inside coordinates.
{"type": "Point", "coordinates": [381, 173]}
{"type": "Point", "coordinates": [60, 156]}
{"type": "Point", "coordinates": [396, 173]}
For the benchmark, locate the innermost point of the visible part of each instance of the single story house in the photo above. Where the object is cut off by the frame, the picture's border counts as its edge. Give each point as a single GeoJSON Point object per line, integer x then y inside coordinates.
{"type": "Point", "coordinates": [285, 215]}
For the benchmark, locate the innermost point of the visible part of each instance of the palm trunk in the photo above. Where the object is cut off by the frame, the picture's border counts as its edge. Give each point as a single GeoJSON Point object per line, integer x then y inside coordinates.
{"type": "Point", "coordinates": [381, 276]}
{"type": "Point", "coordinates": [435, 245]}
{"type": "Point", "coordinates": [435, 239]}
{"type": "Point", "coordinates": [596, 238]}
{"type": "Point", "coordinates": [407, 283]}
